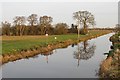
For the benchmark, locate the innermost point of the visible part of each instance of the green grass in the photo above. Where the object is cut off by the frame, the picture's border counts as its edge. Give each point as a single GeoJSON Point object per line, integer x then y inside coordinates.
{"type": "Point", "coordinates": [12, 44]}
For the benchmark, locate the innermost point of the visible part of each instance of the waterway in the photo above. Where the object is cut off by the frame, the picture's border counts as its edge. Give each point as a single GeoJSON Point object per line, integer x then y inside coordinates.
{"type": "Point", "coordinates": [80, 60]}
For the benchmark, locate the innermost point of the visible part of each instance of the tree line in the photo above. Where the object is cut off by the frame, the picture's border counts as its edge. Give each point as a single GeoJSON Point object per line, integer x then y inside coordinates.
{"type": "Point", "coordinates": [34, 25]}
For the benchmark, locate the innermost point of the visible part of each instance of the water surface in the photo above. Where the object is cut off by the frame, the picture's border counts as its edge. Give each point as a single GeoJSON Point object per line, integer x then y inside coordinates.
{"type": "Point", "coordinates": [76, 61]}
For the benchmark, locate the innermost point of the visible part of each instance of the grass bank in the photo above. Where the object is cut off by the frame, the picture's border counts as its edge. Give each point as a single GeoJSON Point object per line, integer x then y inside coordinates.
{"type": "Point", "coordinates": [18, 47]}
{"type": "Point", "coordinates": [110, 67]}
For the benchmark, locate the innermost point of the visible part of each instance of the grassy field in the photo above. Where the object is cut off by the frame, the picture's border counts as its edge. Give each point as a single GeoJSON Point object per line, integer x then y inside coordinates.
{"type": "Point", "coordinates": [12, 44]}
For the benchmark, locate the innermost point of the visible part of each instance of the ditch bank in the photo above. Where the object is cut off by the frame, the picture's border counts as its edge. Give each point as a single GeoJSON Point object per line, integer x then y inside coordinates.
{"type": "Point", "coordinates": [110, 67]}
{"type": "Point", "coordinates": [43, 49]}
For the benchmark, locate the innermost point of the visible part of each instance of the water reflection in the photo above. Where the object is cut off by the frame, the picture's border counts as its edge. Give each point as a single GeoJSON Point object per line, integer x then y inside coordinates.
{"type": "Point", "coordinates": [84, 51]}
{"type": "Point", "coordinates": [61, 62]}
{"type": "Point", "coordinates": [48, 54]}
{"type": "Point", "coordinates": [73, 44]}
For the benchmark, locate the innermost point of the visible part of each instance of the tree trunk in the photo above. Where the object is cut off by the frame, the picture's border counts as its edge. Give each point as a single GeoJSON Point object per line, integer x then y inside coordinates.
{"type": "Point", "coordinates": [85, 28]}
{"type": "Point", "coordinates": [20, 33]}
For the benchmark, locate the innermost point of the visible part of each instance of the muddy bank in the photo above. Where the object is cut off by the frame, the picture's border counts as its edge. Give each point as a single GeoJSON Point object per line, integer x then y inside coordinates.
{"type": "Point", "coordinates": [110, 67]}
{"type": "Point", "coordinates": [40, 50]}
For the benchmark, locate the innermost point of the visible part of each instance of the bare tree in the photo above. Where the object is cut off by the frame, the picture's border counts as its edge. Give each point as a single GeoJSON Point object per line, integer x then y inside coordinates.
{"type": "Point", "coordinates": [19, 22]}
{"type": "Point", "coordinates": [6, 28]}
{"type": "Point", "coordinates": [84, 18]}
{"type": "Point", "coordinates": [45, 23]}
{"type": "Point", "coordinates": [32, 19]}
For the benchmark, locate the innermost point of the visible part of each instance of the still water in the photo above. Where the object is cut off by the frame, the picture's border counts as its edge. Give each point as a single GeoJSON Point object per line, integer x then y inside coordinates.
{"type": "Point", "coordinates": [76, 61]}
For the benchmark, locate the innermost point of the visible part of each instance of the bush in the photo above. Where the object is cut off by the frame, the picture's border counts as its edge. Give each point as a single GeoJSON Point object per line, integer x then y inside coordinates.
{"type": "Point", "coordinates": [61, 28]}
{"type": "Point", "coordinates": [83, 32]}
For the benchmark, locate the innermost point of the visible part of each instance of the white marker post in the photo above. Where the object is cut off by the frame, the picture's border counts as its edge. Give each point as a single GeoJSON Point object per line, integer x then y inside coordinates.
{"type": "Point", "coordinates": [46, 38]}
{"type": "Point", "coordinates": [55, 38]}
{"type": "Point", "coordinates": [46, 34]}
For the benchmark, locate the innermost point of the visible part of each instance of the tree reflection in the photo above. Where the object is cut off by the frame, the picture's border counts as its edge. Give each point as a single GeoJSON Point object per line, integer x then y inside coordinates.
{"type": "Point", "coordinates": [84, 51]}
{"type": "Point", "coordinates": [48, 54]}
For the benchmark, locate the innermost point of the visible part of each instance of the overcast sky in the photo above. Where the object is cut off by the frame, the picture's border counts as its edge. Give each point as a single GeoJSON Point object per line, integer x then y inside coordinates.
{"type": "Point", "coordinates": [106, 13]}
